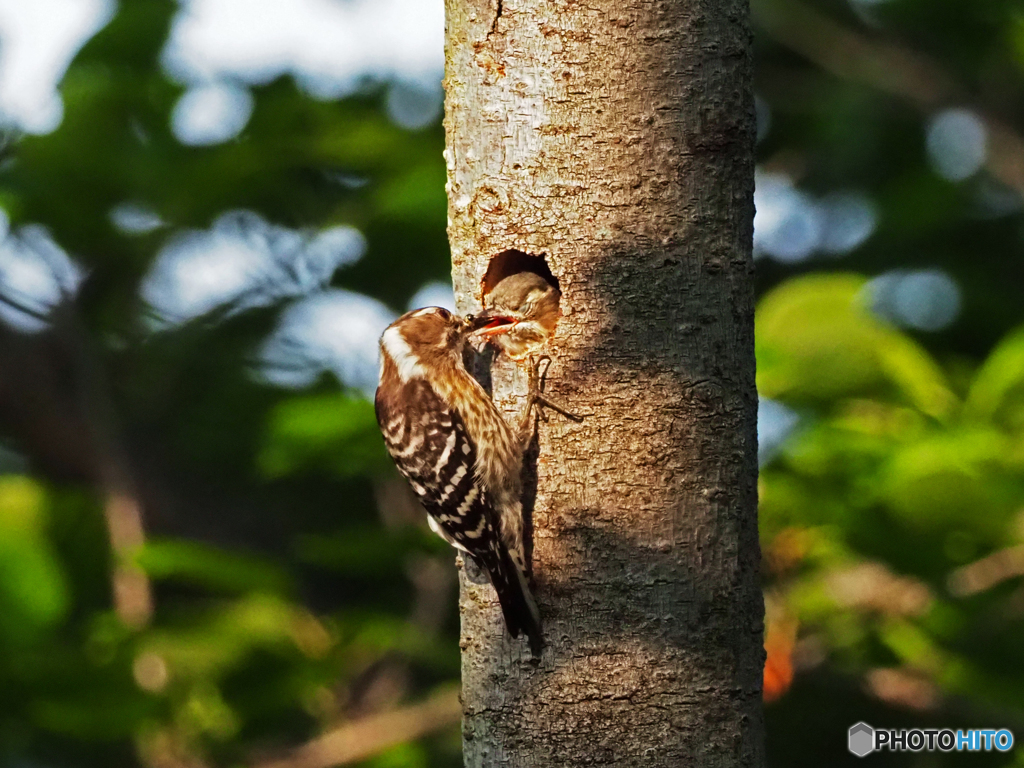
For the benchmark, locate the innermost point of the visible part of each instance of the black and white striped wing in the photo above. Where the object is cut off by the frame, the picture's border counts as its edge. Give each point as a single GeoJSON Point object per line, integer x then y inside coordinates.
{"type": "Point", "coordinates": [431, 448]}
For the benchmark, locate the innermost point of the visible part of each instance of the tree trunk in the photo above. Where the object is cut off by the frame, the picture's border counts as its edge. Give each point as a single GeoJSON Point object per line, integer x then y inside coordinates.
{"type": "Point", "coordinates": [615, 138]}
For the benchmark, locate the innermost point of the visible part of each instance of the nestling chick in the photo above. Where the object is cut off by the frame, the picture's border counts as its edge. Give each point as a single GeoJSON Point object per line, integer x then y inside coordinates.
{"type": "Point", "coordinates": [519, 315]}
{"type": "Point", "coordinates": [519, 318]}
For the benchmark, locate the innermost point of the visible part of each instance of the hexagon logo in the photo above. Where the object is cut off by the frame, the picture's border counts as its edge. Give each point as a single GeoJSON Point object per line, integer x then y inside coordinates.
{"type": "Point", "coordinates": [861, 739]}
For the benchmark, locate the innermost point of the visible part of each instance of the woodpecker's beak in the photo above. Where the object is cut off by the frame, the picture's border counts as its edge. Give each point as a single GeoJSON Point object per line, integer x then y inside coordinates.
{"type": "Point", "coordinates": [490, 323]}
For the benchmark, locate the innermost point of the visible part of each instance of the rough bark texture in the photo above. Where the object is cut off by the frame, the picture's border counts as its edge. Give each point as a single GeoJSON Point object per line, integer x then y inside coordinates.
{"type": "Point", "coordinates": [616, 137]}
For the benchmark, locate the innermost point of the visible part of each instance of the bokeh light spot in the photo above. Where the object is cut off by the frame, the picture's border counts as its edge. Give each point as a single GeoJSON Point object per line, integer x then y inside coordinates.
{"type": "Point", "coordinates": [329, 46]}
{"type": "Point", "coordinates": [847, 220]}
{"type": "Point", "coordinates": [134, 219]}
{"type": "Point", "coordinates": [38, 39]}
{"type": "Point", "coordinates": [434, 294]}
{"type": "Point", "coordinates": [925, 300]}
{"type": "Point", "coordinates": [211, 114]}
{"type": "Point", "coordinates": [956, 143]}
{"type": "Point", "coordinates": [334, 331]}
{"type": "Point", "coordinates": [415, 105]}
{"type": "Point", "coordinates": [787, 224]}
{"type": "Point", "coordinates": [241, 262]}
{"type": "Point", "coordinates": [35, 276]}
{"type": "Point", "coordinates": [775, 422]}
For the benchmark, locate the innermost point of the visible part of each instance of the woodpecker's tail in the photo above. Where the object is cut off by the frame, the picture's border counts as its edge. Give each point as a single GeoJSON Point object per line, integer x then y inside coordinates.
{"type": "Point", "coordinates": [517, 605]}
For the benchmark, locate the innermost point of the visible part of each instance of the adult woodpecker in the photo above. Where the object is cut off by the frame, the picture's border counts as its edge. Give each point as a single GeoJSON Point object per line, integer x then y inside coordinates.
{"type": "Point", "coordinates": [458, 453]}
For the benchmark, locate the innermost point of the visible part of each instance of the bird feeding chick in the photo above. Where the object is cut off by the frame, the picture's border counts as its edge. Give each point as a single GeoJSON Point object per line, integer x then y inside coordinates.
{"type": "Point", "coordinates": [460, 456]}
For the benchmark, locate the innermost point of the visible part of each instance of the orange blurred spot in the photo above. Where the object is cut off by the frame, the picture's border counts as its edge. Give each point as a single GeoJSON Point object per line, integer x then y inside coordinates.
{"type": "Point", "coordinates": [780, 638]}
{"type": "Point", "coordinates": [778, 672]}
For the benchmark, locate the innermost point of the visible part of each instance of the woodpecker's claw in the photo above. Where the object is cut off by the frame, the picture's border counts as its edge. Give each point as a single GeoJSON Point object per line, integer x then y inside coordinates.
{"type": "Point", "coordinates": [536, 396]}
{"type": "Point", "coordinates": [554, 406]}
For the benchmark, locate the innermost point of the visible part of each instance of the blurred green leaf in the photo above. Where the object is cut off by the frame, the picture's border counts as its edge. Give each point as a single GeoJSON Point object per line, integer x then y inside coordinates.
{"type": "Point", "coordinates": [947, 480]}
{"type": "Point", "coordinates": [816, 341]}
{"type": "Point", "coordinates": [33, 594]}
{"type": "Point", "coordinates": [402, 756]}
{"type": "Point", "coordinates": [336, 432]}
{"type": "Point", "coordinates": [207, 566]}
{"type": "Point", "coordinates": [363, 551]}
{"type": "Point", "coordinates": [234, 631]}
{"type": "Point", "coordinates": [997, 394]}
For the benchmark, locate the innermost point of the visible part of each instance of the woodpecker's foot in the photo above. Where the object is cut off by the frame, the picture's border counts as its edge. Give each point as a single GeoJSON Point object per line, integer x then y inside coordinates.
{"type": "Point", "coordinates": [546, 402]}
{"type": "Point", "coordinates": [536, 397]}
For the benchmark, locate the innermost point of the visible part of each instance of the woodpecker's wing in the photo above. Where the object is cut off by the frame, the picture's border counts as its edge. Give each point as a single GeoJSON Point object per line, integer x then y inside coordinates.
{"type": "Point", "coordinates": [432, 449]}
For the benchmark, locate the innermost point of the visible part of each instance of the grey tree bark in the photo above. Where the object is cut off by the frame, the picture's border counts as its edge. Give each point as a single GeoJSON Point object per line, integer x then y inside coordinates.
{"type": "Point", "coordinates": [615, 137]}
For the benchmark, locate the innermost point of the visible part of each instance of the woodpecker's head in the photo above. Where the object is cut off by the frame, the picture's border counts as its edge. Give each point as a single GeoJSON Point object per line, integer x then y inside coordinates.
{"type": "Point", "coordinates": [421, 342]}
{"type": "Point", "coordinates": [519, 314]}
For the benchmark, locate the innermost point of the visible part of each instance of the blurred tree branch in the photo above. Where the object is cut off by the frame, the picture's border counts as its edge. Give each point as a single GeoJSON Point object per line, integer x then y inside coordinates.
{"type": "Point", "coordinates": [372, 735]}
{"type": "Point", "coordinates": [889, 67]}
{"type": "Point", "coordinates": [132, 594]}
{"type": "Point", "coordinates": [55, 395]}
{"type": "Point", "coordinates": [988, 572]}
{"type": "Point", "coordinates": [122, 510]}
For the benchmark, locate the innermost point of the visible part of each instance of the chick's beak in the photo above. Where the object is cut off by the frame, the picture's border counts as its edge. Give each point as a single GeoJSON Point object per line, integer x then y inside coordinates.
{"type": "Point", "coordinates": [490, 323]}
